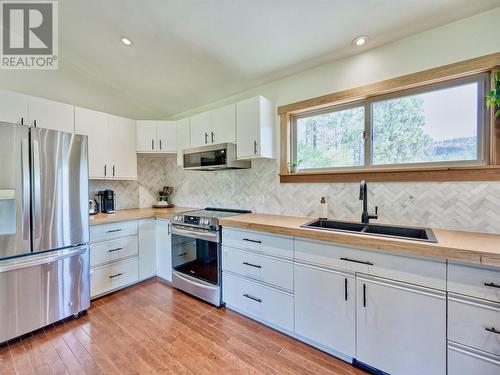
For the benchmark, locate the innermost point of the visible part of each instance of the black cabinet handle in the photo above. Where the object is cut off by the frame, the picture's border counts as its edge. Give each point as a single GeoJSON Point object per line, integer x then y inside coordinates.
{"type": "Point", "coordinates": [492, 285]}
{"type": "Point", "coordinates": [213, 137]}
{"type": "Point", "coordinates": [252, 298]}
{"type": "Point", "coordinates": [114, 230]}
{"type": "Point", "coordinates": [255, 147]}
{"type": "Point", "coordinates": [345, 289]}
{"type": "Point", "coordinates": [181, 255]}
{"type": "Point", "coordinates": [252, 265]}
{"type": "Point", "coordinates": [113, 276]}
{"type": "Point", "coordinates": [152, 144]}
{"type": "Point", "coordinates": [34, 123]}
{"type": "Point", "coordinates": [160, 144]}
{"type": "Point", "coordinates": [364, 295]}
{"type": "Point", "coordinates": [357, 261]}
{"type": "Point", "coordinates": [493, 330]}
{"type": "Point", "coordinates": [22, 120]}
{"type": "Point", "coordinates": [117, 249]}
{"type": "Point", "coordinates": [249, 240]}
{"type": "Point", "coordinates": [113, 171]}
{"type": "Point", "coordinates": [206, 138]}
{"type": "Point", "coordinates": [105, 169]}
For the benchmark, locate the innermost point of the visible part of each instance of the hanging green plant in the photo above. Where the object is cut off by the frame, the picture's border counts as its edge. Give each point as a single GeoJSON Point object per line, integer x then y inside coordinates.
{"type": "Point", "coordinates": [493, 98]}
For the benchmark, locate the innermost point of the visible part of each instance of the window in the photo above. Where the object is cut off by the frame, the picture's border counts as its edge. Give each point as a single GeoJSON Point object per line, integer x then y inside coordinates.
{"type": "Point", "coordinates": [438, 125]}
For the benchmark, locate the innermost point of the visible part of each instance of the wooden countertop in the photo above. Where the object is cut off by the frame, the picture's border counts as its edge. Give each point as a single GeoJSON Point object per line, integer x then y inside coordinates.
{"type": "Point", "coordinates": [470, 247]}
{"type": "Point", "coordinates": [136, 214]}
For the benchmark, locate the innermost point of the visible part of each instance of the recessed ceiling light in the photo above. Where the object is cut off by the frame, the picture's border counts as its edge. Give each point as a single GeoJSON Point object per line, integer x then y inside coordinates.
{"type": "Point", "coordinates": [360, 40]}
{"type": "Point", "coordinates": [126, 41]}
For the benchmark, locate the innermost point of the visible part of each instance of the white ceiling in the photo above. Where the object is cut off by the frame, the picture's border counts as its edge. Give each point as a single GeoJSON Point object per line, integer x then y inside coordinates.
{"type": "Point", "coordinates": [188, 53]}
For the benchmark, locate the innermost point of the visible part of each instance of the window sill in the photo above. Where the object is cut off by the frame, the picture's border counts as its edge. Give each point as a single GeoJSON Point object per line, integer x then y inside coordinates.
{"type": "Point", "coordinates": [474, 173]}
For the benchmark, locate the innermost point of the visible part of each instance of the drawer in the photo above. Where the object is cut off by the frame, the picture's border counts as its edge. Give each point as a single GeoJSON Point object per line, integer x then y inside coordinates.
{"type": "Point", "coordinates": [467, 361]}
{"type": "Point", "coordinates": [113, 276]}
{"type": "Point", "coordinates": [107, 232]}
{"type": "Point", "coordinates": [414, 270]}
{"type": "Point", "coordinates": [268, 244]}
{"type": "Point", "coordinates": [478, 282]}
{"type": "Point", "coordinates": [109, 251]}
{"type": "Point", "coordinates": [262, 303]}
{"type": "Point", "coordinates": [262, 268]}
{"type": "Point", "coordinates": [473, 322]}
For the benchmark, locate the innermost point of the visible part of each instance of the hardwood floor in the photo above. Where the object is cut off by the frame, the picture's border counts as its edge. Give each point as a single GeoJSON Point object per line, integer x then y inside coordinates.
{"type": "Point", "coordinates": [152, 328]}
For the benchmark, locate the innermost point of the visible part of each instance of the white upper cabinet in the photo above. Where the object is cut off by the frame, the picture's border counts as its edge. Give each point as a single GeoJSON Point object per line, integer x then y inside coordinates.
{"type": "Point", "coordinates": [94, 124]}
{"type": "Point", "coordinates": [122, 146]}
{"type": "Point", "coordinates": [13, 107]}
{"type": "Point", "coordinates": [200, 129]}
{"type": "Point", "coordinates": [146, 136]}
{"type": "Point", "coordinates": [223, 125]}
{"type": "Point", "coordinates": [48, 114]}
{"type": "Point", "coordinates": [183, 138]}
{"type": "Point", "coordinates": [167, 136]}
{"type": "Point", "coordinates": [111, 144]}
{"type": "Point", "coordinates": [156, 136]}
{"type": "Point", "coordinates": [255, 128]}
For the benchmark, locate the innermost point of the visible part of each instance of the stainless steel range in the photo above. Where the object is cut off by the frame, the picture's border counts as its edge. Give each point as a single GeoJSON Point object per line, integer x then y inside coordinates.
{"type": "Point", "coordinates": [196, 252]}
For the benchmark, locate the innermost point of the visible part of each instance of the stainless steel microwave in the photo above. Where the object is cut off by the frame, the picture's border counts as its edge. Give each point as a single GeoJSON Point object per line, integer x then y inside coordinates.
{"type": "Point", "coordinates": [213, 157]}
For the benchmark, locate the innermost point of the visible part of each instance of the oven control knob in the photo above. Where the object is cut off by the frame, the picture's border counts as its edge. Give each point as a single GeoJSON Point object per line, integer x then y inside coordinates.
{"type": "Point", "coordinates": [205, 221]}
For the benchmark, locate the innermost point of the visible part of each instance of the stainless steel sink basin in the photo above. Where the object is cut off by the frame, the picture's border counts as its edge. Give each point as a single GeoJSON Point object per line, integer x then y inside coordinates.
{"type": "Point", "coordinates": [403, 232]}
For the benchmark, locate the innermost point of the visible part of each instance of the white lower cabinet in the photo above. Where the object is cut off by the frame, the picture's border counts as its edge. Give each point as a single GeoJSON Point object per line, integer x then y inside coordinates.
{"type": "Point", "coordinates": [260, 302]}
{"type": "Point", "coordinates": [147, 248]}
{"type": "Point", "coordinates": [401, 328]}
{"type": "Point", "coordinates": [163, 250]}
{"type": "Point", "coordinates": [325, 308]}
{"type": "Point", "coordinates": [113, 276]}
{"type": "Point", "coordinates": [463, 360]}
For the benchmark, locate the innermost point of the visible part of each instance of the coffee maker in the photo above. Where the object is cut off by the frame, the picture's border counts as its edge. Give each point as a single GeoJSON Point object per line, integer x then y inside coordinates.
{"type": "Point", "coordinates": [107, 201]}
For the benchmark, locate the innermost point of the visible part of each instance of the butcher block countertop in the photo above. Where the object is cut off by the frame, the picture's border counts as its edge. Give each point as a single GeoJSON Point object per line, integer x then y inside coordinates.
{"type": "Point", "coordinates": [470, 247]}
{"type": "Point", "coordinates": [136, 214]}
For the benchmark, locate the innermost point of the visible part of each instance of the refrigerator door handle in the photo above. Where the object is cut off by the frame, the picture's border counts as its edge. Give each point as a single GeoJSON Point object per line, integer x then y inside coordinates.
{"type": "Point", "coordinates": [25, 181]}
{"type": "Point", "coordinates": [37, 215]}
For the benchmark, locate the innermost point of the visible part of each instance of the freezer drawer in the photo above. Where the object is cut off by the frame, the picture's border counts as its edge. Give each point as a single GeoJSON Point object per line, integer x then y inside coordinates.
{"type": "Point", "coordinates": [41, 289]}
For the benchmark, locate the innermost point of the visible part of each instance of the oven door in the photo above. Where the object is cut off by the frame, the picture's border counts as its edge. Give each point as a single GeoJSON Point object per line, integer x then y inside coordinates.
{"type": "Point", "coordinates": [196, 253]}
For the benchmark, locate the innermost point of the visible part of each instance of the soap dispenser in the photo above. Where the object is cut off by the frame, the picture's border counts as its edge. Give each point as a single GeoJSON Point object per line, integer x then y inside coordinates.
{"type": "Point", "coordinates": [323, 209]}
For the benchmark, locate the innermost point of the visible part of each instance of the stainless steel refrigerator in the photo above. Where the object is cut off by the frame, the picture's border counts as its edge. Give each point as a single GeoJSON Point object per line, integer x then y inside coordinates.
{"type": "Point", "coordinates": [44, 228]}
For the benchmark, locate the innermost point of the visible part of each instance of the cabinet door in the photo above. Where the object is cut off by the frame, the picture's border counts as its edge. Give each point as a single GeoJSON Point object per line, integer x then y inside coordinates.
{"type": "Point", "coordinates": [200, 125]}
{"type": "Point", "coordinates": [51, 115]}
{"type": "Point", "coordinates": [223, 125]}
{"type": "Point", "coordinates": [163, 250]}
{"type": "Point", "coordinates": [183, 138]}
{"type": "Point", "coordinates": [147, 248]}
{"type": "Point", "coordinates": [401, 328]}
{"type": "Point", "coordinates": [248, 127]}
{"type": "Point", "coordinates": [325, 308]}
{"type": "Point", "coordinates": [122, 140]}
{"type": "Point", "coordinates": [95, 125]}
{"type": "Point", "coordinates": [146, 136]}
{"type": "Point", "coordinates": [13, 107]}
{"type": "Point", "coordinates": [167, 136]}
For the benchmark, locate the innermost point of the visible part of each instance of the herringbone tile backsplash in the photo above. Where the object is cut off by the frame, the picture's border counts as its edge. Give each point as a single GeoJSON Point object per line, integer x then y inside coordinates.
{"type": "Point", "coordinates": [471, 206]}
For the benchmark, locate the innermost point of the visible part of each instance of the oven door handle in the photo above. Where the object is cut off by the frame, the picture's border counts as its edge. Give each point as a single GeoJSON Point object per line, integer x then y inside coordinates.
{"type": "Point", "coordinates": [193, 233]}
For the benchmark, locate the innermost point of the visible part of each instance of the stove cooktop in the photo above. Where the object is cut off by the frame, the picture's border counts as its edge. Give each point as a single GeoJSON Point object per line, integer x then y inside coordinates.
{"type": "Point", "coordinates": [207, 218]}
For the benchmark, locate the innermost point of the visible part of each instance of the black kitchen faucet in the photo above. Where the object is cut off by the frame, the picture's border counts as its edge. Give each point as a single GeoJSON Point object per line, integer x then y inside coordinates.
{"type": "Point", "coordinates": [363, 196]}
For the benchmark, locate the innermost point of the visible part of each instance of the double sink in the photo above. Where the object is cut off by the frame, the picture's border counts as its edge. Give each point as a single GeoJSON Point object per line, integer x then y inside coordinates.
{"type": "Point", "coordinates": [402, 232]}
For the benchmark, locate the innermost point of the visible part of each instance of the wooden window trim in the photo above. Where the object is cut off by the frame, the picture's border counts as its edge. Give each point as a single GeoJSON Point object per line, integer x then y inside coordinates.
{"type": "Point", "coordinates": [490, 172]}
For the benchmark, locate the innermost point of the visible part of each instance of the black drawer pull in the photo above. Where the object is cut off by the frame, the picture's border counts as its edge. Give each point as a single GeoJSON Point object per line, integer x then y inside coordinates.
{"type": "Point", "coordinates": [345, 288]}
{"type": "Point", "coordinates": [113, 276]}
{"type": "Point", "coordinates": [252, 265]}
{"type": "Point", "coordinates": [252, 298]}
{"type": "Point", "coordinates": [493, 330]}
{"type": "Point", "coordinates": [492, 285]}
{"type": "Point", "coordinates": [181, 255]}
{"type": "Point", "coordinates": [364, 295]}
{"type": "Point", "coordinates": [117, 249]}
{"type": "Point", "coordinates": [357, 261]}
{"type": "Point", "coordinates": [249, 240]}
{"type": "Point", "coordinates": [114, 230]}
